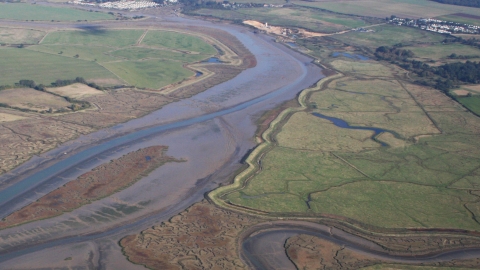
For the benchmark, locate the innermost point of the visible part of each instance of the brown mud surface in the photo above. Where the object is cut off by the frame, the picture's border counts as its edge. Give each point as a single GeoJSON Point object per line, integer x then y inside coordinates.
{"type": "Point", "coordinates": [201, 237]}
{"type": "Point", "coordinates": [102, 181]}
{"type": "Point", "coordinates": [310, 252]}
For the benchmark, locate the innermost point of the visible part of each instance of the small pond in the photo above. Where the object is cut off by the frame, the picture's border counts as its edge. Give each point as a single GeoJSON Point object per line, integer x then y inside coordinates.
{"type": "Point", "coordinates": [351, 56]}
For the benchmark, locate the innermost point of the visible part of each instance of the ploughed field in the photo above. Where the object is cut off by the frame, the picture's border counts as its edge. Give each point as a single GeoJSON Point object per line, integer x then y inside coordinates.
{"type": "Point", "coordinates": [101, 182]}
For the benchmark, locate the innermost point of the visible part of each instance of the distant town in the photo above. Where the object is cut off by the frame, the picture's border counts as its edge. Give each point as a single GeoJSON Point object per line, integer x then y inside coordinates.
{"type": "Point", "coordinates": [123, 5]}
{"type": "Point", "coordinates": [439, 26]}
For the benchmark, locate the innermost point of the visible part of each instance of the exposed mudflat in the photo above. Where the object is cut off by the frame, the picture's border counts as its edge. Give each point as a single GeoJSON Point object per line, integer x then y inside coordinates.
{"type": "Point", "coordinates": [102, 181]}
{"type": "Point", "coordinates": [211, 131]}
{"type": "Point", "coordinates": [201, 237]}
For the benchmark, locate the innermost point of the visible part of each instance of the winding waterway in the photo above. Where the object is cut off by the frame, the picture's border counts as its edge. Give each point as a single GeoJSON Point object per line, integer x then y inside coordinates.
{"type": "Point", "coordinates": [218, 123]}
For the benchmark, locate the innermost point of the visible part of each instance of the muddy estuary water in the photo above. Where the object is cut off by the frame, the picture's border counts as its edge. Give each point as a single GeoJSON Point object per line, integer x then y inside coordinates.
{"type": "Point", "coordinates": [211, 131]}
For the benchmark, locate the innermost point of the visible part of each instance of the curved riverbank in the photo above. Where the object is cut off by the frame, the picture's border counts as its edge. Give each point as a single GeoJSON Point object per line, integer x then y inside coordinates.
{"type": "Point", "coordinates": [218, 123]}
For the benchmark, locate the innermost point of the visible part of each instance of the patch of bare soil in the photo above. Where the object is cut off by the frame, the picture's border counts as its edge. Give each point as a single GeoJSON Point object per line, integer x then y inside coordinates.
{"type": "Point", "coordinates": [201, 237]}
{"type": "Point", "coordinates": [102, 181]}
{"type": "Point", "coordinates": [76, 90]}
{"type": "Point", "coordinates": [33, 100]}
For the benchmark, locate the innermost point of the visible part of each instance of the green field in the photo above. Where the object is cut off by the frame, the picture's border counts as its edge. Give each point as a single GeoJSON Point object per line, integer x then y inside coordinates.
{"type": "Point", "coordinates": [316, 168]}
{"type": "Point", "coordinates": [459, 19]}
{"type": "Point", "coordinates": [138, 53]}
{"type": "Point", "coordinates": [20, 11]}
{"type": "Point", "coordinates": [178, 41]}
{"type": "Point", "coordinates": [18, 64]}
{"type": "Point", "coordinates": [385, 8]}
{"type": "Point", "coordinates": [20, 36]}
{"type": "Point", "coordinates": [150, 74]}
{"type": "Point", "coordinates": [311, 19]}
{"type": "Point", "coordinates": [472, 103]}
{"type": "Point", "coordinates": [388, 35]}
{"type": "Point", "coordinates": [106, 38]}
{"type": "Point", "coordinates": [106, 54]}
{"type": "Point", "coordinates": [89, 53]}
{"type": "Point", "coordinates": [442, 51]}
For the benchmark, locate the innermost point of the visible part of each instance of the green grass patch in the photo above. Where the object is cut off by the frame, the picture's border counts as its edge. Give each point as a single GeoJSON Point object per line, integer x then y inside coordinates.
{"type": "Point", "coordinates": [178, 41]}
{"type": "Point", "coordinates": [397, 205]}
{"type": "Point", "coordinates": [388, 35]}
{"type": "Point", "coordinates": [152, 74]}
{"type": "Point", "coordinates": [138, 53]}
{"type": "Point", "coordinates": [21, 11]}
{"type": "Point", "coordinates": [442, 51]}
{"type": "Point", "coordinates": [19, 64]}
{"type": "Point", "coordinates": [89, 53]}
{"type": "Point", "coordinates": [107, 38]}
{"type": "Point", "coordinates": [472, 103]}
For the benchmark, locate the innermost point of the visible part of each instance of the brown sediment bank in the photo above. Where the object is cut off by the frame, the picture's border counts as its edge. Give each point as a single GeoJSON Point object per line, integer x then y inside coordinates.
{"type": "Point", "coordinates": [202, 237]}
{"type": "Point", "coordinates": [102, 181]}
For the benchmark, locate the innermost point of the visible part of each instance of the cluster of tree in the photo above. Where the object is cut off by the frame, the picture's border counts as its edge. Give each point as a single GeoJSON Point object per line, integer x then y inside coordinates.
{"type": "Point", "coordinates": [467, 3]}
{"type": "Point", "coordinates": [443, 77]}
{"type": "Point", "coordinates": [393, 53]}
{"type": "Point", "coordinates": [59, 83]}
{"type": "Point", "coordinates": [457, 56]}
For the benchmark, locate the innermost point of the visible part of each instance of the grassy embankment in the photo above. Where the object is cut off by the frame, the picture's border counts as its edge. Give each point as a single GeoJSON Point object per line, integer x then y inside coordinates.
{"type": "Point", "coordinates": [146, 60]}
{"type": "Point", "coordinates": [23, 11]}
{"type": "Point", "coordinates": [426, 177]}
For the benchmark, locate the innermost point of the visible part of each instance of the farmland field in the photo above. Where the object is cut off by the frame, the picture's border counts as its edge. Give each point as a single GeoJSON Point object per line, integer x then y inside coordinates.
{"type": "Point", "coordinates": [19, 35]}
{"type": "Point", "coordinates": [306, 18]}
{"type": "Point", "coordinates": [401, 8]}
{"type": "Point", "coordinates": [107, 55]}
{"type": "Point", "coordinates": [177, 41]}
{"type": "Point", "coordinates": [100, 37]}
{"type": "Point", "coordinates": [151, 73]}
{"type": "Point", "coordinates": [20, 11]}
{"type": "Point", "coordinates": [388, 35]}
{"type": "Point", "coordinates": [19, 64]}
{"type": "Point", "coordinates": [442, 51]}
{"type": "Point", "coordinates": [460, 18]}
{"type": "Point", "coordinates": [472, 103]}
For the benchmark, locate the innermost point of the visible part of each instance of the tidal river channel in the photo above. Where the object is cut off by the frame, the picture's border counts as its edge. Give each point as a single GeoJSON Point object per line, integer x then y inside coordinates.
{"type": "Point", "coordinates": [211, 131]}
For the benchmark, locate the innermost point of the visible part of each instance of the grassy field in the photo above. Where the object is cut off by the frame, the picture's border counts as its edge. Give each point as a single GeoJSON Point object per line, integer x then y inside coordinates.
{"type": "Point", "coordinates": [105, 38]}
{"type": "Point", "coordinates": [20, 36]}
{"type": "Point", "coordinates": [110, 55]}
{"type": "Point", "coordinates": [138, 53]}
{"type": "Point", "coordinates": [20, 11]}
{"type": "Point", "coordinates": [88, 53]}
{"type": "Point", "coordinates": [442, 51]}
{"type": "Point", "coordinates": [314, 20]}
{"type": "Point", "coordinates": [18, 64]}
{"type": "Point", "coordinates": [388, 35]}
{"type": "Point", "coordinates": [385, 8]}
{"type": "Point", "coordinates": [31, 99]}
{"type": "Point", "coordinates": [178, 41]}
{"type": "Point", "coordinates": [150, 74]}
{"type": "Point", "coordinates": [317, 168]}
{"type": "Point", "coordinates": [459, 19]}
{"type": "Point", "coordinates": [472, 103]}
